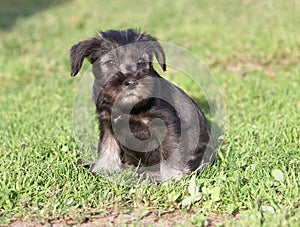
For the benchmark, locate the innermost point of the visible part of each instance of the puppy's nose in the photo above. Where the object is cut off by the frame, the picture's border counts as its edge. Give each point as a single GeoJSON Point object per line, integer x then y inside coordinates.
{"type": "Point", "coordinates": [131, 82]}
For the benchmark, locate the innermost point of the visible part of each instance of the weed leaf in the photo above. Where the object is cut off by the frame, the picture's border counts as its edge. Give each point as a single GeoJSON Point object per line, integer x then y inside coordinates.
{"type": "Point", "coordinates": [215, 194]}
{"type": "Point", "coordinates": [278, 175]}
{"type": "Point", "coordinates": [193, 189]}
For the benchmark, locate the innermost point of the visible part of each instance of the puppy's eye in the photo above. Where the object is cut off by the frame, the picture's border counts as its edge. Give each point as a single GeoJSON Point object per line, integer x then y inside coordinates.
{"type": "Point", "coordinates": [110, 62]}
{"type": "Point", "coordinates": [141, 61]}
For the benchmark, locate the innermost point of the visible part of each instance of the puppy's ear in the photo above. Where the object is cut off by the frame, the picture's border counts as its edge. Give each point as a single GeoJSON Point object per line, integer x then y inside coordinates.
{"type": "Point", "coordinates": [85, 49]}
{"type": "Point", "coordinates": [157, 49]}
{"type": "Point", "coordinates": [160, 55]}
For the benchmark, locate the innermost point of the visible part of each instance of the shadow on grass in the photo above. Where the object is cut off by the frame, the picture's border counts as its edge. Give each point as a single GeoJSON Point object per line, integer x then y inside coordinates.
{"type": "Point", "coordinates": [13, 10]}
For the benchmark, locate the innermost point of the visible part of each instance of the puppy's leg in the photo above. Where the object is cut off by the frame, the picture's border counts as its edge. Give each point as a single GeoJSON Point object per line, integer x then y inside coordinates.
{"type": "Point", "coordinates": [108, 154]}
{"type": "Point", "coordinates": [151, 173]}
{"type": "Point", "coordinates": [171, 170]}
{"type": "Point", "coordinates": [173, 166]}
{"type": "Point", "coordinates": [165, 172]}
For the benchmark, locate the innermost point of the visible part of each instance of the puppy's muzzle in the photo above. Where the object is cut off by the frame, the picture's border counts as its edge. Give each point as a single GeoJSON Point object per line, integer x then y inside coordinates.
{"type": "Point", "coordinates": [130, 79]}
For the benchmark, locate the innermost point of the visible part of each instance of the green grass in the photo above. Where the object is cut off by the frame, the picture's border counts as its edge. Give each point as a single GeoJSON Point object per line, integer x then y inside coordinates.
{"type": "Point", "coordinates": [251, 47]}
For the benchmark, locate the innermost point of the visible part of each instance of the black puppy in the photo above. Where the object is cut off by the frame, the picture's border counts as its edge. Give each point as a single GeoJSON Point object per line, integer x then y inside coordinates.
{"type": "Point", "coordinates": [145, 121]}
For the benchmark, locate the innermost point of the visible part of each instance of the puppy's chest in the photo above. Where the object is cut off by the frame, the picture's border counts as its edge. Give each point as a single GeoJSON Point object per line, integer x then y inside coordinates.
{"type": "Point", "coordinates": [138, 126]}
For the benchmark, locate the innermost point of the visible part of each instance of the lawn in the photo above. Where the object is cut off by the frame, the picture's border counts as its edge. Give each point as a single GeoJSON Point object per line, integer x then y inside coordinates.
{"type": "Point", "coordinates": [251, 47]}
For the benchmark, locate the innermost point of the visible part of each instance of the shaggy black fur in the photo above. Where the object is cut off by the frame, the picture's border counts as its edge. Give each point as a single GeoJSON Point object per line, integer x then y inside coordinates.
{"type": "Point", "coordinates": [145, 121]}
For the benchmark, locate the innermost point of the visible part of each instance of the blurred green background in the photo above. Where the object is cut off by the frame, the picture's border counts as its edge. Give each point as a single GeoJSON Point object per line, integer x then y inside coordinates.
{"type": "Point", "coordinates": [251, 47]}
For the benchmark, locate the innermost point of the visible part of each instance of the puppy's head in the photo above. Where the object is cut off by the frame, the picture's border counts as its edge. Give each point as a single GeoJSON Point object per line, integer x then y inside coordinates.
{"type": "Point", "coordinates": [122, 64]}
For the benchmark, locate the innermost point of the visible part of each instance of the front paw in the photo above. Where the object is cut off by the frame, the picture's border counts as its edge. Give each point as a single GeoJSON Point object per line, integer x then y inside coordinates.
{"type": "Point", "coordinates": [107, 165]}
{"type": "Point", "coordinates": [152, 177]}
